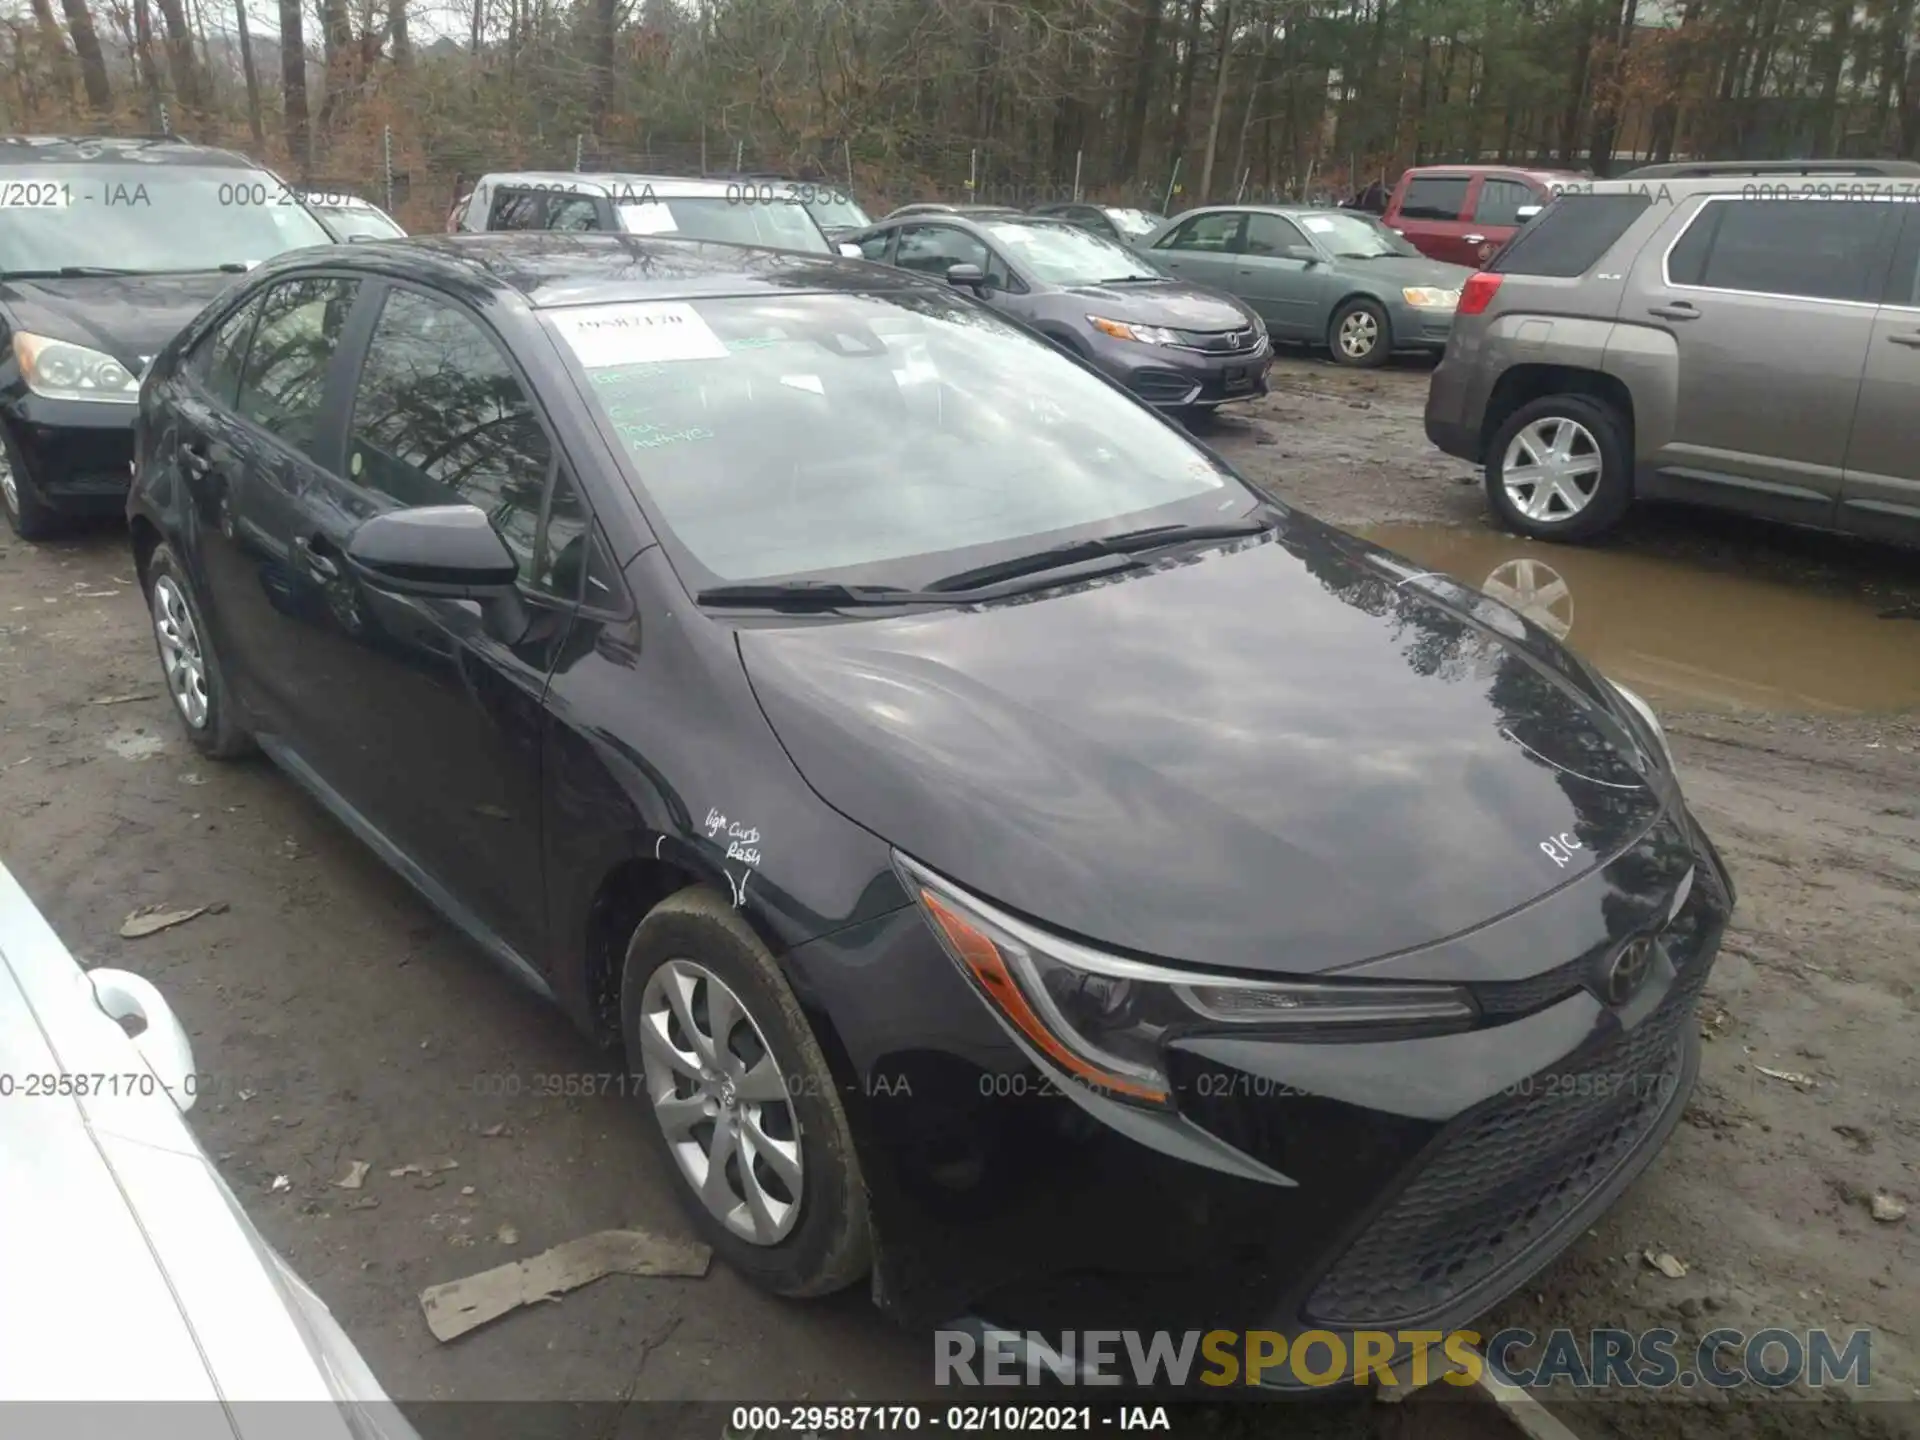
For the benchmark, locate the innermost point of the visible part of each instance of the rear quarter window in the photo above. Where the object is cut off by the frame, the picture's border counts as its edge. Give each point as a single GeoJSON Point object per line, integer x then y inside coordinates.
{"type": "Point", "coordinates": [1571, 235]}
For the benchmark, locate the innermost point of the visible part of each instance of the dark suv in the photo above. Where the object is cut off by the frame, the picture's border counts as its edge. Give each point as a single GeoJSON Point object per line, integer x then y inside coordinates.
{"type": "Point", "coordinates": [1742, 338]}
{"type": "Point", "coordinates": [108, 247]}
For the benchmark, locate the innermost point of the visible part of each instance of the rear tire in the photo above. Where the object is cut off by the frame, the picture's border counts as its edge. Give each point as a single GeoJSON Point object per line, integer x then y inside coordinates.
{"type": "Point", "coordinates": [28, 516]}
{"type": "Point", "coordinates": [695, 966]}
{"type": "Point", "coordinates": [196, 685]}
{"type": "Point", "coordinates": [1561, 468]}
{"type": "Point", "coordinates": [1360, 335]}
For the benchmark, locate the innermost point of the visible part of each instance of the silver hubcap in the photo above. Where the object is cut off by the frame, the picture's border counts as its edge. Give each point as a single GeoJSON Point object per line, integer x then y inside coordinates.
{"type": "Point", "coordinates": [180, 651]}
{"type": "Point", "coordinates": [1537, 591]}
{"type": "Point", "coordinates": [9, 489]}
{"type": "Point", "coordinates": [718, 1094]}
{"type": "Point", "coordinates": [1359, 333]}
{"type": "Point", "coordinates": [1551, 470]}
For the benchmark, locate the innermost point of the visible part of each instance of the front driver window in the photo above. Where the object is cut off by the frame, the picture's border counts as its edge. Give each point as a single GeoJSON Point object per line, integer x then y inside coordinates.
{"type": "Point", "coordinates": [934, 249]}
{"type": "Point", "coordinates": [1206, 234]}
{"type": "Point", "coordinates": [440, 418]}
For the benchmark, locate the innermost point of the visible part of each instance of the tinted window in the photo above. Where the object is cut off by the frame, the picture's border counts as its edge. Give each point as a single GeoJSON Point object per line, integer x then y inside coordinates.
{"type": "Point", "coordinates": [802, 433]}
{"type": "Point", "coordinates": [1500, 202]}
{"type": "Point", "coordinates": [1434, 197]}
{"type": "Point", "coordinates": [573, 212]}
{"type": "Point", "coordinates": [440, 418]}
{"type": "Point", "coordinates": [1819, 249]}
{"type": "Point", "coordinates": [932, 249]}
{"type": "Point", "coordinates": [1214, 233]}
{"type": "Point", "coordinates": [217, 358]}
{"type": "Point", "coordinates": [518, 210]}
{"type": "Point", "coordinates": [875, 247]}
{"type": "Point", "coordinates": [1903, 281]}
{"type": "Point", "coordinates": [562, 561]}
{"type": "Point", "coordinates": [1571, 235]}
{"type": "Point", "coordinates": [285, 375]}
{"type": "Point", "coordinates": [1271, 235]}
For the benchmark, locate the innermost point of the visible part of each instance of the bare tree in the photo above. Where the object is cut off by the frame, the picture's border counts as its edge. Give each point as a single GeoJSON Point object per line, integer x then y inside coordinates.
{"type": "Point", "coordinates": [86, 45]}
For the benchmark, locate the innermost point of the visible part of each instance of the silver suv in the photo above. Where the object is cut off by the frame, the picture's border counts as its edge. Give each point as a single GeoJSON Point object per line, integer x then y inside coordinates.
{"type": "Point", "coordinates": [1746, 337]}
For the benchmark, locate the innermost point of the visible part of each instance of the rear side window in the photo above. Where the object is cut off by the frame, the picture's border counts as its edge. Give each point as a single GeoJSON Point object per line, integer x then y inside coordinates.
{"type": "Point", "coordinates": [1813, 249]}
{"type": "Point", "coordinates": [519, 210]}
{"type": "Point", "coordinates": [573, 212]}
{"type": "Point", "coordinates": [875, 247]}
{"type": "Point", "coordinates": [285, 375]}
{"type": "Point", "coordinates": [1500, 202]}
{"type": "Point", "coordinates": [1571, 235]}
{"type": "Point", "coordinates": [1434, 197]}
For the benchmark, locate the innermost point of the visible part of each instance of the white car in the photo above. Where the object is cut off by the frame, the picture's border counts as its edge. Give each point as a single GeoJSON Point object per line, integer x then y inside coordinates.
{"type": "Point", "coordinates": [128, 1270]}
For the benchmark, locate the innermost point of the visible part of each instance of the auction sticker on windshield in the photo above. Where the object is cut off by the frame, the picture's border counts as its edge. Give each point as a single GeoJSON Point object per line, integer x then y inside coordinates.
{"type": "Point", "coordinates": [603, 335]}
{"type": "Point", "coordinates": [35, 195]}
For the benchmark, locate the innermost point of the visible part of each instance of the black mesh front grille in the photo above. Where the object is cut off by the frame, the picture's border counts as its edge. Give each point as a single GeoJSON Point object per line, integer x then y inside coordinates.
{"type": "Point", "coordinates": [1221, 342]}
{"type": "Point", "coordinates": [1504, 1178]}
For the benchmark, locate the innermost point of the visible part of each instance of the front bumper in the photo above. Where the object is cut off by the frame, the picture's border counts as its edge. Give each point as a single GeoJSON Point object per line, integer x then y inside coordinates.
{"type": "Point", "coordinates": [78, 453]}
{"type": "Point", "coordinates": [1432, 1177]}
{"type": "Point", "coordinates": [1171, 378]}
{"type": "Point", "coordinates": [1416, 329]}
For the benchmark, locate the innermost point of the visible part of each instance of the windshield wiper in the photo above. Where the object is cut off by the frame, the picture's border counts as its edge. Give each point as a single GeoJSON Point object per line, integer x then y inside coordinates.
{"type": "Point", "coordinates": [1124, 548]}
{"type": "Point", "coordinates": [1128, 279]}
{"type": "Point", "coordinates": [814, 595]}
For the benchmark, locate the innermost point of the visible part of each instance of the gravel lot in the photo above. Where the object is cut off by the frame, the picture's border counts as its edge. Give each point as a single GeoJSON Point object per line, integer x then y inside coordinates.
{"type": "Point", "coordinates": [340, 1020]}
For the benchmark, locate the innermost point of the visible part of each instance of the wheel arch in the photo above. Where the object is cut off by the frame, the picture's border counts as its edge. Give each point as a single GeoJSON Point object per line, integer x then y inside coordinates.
{"type": "Point", "coordinates": [1523, 384]}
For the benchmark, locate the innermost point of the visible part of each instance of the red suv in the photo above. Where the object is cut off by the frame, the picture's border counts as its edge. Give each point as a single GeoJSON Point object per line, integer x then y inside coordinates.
{"type": "Point", "coordinates": [1463, 214]}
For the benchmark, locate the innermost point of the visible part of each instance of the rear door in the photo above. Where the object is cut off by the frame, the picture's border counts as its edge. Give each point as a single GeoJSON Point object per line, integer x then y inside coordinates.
{"type": "Point", "coordinates": [1282, 275]}
{"type": "Point", "coordinates": [1496, 214]}
{"type": "Point", "coordinates": [1880, 494]}
{"type": "Point", "coordinates": [1204, 249]}
{"type": "Point", "coordinates": [1432, 215]}
{"type": "Point", "coordinates": [1770, 306]}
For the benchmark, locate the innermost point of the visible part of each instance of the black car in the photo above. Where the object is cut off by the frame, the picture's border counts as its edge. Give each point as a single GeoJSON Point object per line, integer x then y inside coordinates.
{"type": "Point", "coordinates": [1174, 344]}
{"type": "Point", "coordinates": [108, 247]}
{"type": "Point", "coordinates": [1021, 863]}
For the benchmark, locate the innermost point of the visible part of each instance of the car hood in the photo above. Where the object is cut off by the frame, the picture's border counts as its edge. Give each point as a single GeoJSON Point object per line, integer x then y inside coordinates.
{"type": "Point", "coordinates": [1408, 270]}
{"type": "Point", "coordinates": [1166, 302]}
{"type": "Point", "coordinates": [1291, 754]}
{"type": "Point", "coordinates": [127, 316]}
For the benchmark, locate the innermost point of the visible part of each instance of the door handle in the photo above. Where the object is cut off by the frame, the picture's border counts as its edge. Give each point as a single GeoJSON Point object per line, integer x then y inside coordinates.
{"type": "Point", "coordinates": [196, 460]}
{"type": "Point", "coordinates": [1675, 310]}
{"type": "Point", "coordinates": [1910, 339]}
{"type": "Point", "coordinates": [1474, 239]}
{"type": "Point", "coordinates": [318, 565]}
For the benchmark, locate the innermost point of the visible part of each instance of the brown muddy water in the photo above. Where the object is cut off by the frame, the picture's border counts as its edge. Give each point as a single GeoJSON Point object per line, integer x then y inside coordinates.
{"type": "Point", "coordinates": [1688, 637]}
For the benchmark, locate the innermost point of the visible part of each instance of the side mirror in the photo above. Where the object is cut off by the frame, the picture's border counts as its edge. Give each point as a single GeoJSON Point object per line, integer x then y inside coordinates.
{"type": "Point", "coordinates": [1305, 253]}
{"type": "Point", "coordinates": [448, 552]}
{"type": "Point", "coordinates": [1527, 212]}
{"type": "Point", "coordinates": [970, 277]}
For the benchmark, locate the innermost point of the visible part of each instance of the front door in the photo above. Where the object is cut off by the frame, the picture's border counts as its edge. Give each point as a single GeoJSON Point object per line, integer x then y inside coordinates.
{"type": "Point", "coordinates": [1770, 305]}
{"type": "Point", "coordinates": [1204, 250]}
{"type": "Point", "coordinates": [1282, 275]}
{"type": "Point", "coordinates": [437, 742]}
{"type": "Point", "coordinates": [932, 249]}
{"type": "Point", "coordinates": [1880, 494]}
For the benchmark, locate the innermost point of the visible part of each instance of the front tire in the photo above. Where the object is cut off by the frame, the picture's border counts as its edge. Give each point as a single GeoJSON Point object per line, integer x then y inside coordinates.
{"type": "Point", "coordinates": [1560, 468]}
{"type": "Point", "coordinates": [1360, 335]}
{"type": "Point", "coordinates": [742, 1105]}
{"type": "Point", "coordinates": [28, 516]}
{"type": "Point", "coordinates": [195, 683]}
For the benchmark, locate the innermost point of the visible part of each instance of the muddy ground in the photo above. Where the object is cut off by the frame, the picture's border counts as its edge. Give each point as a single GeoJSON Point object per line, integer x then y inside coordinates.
{"type": "Point", "coordinates": [338, 1019]}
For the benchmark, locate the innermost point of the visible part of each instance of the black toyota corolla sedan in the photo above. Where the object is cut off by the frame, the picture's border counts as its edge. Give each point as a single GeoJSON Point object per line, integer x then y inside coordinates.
{"type": "Point", "coordinates": [1022, 864]}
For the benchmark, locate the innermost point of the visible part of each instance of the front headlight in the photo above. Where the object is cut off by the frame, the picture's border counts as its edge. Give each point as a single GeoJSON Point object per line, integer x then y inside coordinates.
{"type": "Point", "coordinates": [1105, 1020]}
{"type": "Point", "coordinates": [1652, 721]}
{"type": "Point", "coordinates": [1426, 297]}
{"type": "Point", "coordinates": [1144, 334]}
{"type": "Point", "coordinates": [61, 370]}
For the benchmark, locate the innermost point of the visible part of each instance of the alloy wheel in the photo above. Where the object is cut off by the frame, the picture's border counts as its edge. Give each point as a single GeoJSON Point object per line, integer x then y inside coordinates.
{"type": "Point", "coordinates": [180, 653]}
{"type": "Point", "coordinates": [1359, 333]}
{"type": "Point", "coordinates": [1552, 468]}
{"type": "Point", "coordinates": [717, 1092]}
{"type": "Point", "coordinates": [1536, 590]}
{"type": "Point", "coordinates": [9, 487]}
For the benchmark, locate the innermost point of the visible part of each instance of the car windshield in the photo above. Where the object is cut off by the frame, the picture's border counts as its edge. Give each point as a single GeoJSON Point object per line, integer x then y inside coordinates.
{"type": "Point", "coordinates": [1062, 254]}
{"type": "Point", "coordinates": [780, 224]}
{"type": "Point", "coordinates": [145, 218]}
{"type": "Point", "coordinates": [833, 209]}
{"type": "Point", "coordinates": [1356, 237]}
{"type": "Point", "coordinates": [871, 437]}
{"type": "Point", "coordinates": [345, 221]}
{"type": "Point", "coordinates": [1136, 222]}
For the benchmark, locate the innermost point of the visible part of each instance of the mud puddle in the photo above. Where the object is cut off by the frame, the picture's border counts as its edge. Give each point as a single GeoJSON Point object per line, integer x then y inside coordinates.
{"type": "Point", "coordinates": [1687, 637]}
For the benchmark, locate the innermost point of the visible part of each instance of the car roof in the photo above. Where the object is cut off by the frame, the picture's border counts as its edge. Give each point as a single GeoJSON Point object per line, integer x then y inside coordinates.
{"type": "Point", "coordinates": [664, 187]}
{"type": "Point", "coordinates": [549, 270]}
{"type": "Point", "coordinates": [1532, 172]}
{"type": "Point", "coordinates": [106, 149]}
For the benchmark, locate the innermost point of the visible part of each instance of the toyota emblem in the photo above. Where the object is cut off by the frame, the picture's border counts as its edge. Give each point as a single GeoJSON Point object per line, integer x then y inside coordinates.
{"type": "Point", "coordinates": [1627, 971]}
